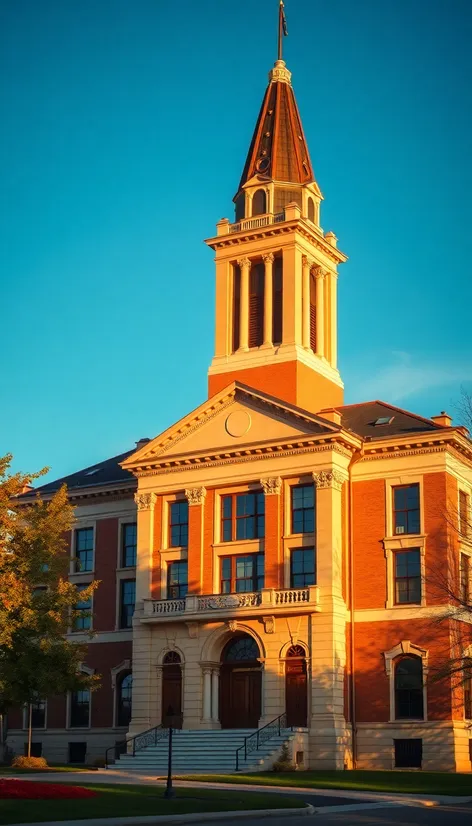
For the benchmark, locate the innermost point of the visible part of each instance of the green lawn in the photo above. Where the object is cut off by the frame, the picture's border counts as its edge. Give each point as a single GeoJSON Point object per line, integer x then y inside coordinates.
{"type": "Point", "coordinates": [372, 781]}
{"type": "Point", "coordinates": [130, 801]}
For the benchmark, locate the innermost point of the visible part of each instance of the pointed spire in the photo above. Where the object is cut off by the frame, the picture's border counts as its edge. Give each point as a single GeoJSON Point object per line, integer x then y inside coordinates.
{"type": "Point", "coordinates": [278, 149]}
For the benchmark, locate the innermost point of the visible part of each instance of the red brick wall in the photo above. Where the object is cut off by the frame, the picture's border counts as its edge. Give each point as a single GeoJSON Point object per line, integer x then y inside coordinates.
{"type": "Point", "coordinates": [272, 544]}
{"type": "Point", "coordinates": [195, 536]}
{"type": "Point", "coordinates": [370, 572]}
{"type": "Point", "coordinates": [372, 639]}
{"type": "Point", "coordinates": [103, 657]}
{"type": "Point", "coordinates": [207, 583]}
{"type": "Point", "coordinates": [104, 600]}
{"type": "Point", "coordinates": [156, 554]}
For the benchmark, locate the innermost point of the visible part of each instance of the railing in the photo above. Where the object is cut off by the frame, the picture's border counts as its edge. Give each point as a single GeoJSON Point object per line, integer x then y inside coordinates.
{"type": "Point", "coordinates": [256, 222]}
{"type": "Point", "coordinates": [254, 741]}
{"type": "Point", "coordinates": [222, 601]}
{"type": "Point", "coordinates": [266, 599]}
{"type": "Point", "coordinates": [140, 741]}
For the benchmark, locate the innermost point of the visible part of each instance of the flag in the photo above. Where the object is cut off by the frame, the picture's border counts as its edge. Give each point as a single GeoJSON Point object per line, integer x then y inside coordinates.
{"type": "Point", "coordinates": [283, 18]}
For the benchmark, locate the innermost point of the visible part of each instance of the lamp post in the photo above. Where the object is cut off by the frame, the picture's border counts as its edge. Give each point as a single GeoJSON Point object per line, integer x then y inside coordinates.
{"type": "Point", "coordinates": [169, 792]}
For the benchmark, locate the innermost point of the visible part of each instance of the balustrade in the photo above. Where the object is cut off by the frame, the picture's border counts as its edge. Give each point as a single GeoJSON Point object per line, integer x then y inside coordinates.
{"type": "Point", "coordinates": [246, 603]}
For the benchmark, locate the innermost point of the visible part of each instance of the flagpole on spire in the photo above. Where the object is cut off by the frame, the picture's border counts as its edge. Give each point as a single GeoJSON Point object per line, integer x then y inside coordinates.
{"type": "Point", "coordinates": [283, 32]}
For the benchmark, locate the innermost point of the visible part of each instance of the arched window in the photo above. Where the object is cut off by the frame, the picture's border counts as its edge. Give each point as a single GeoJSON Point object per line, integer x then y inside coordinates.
{"type": "Point", "coordinates": [241, 649]}
{"type": "Point", "coordinates": [124, 695]}
{"type": "Point", "coordinates": [296, 651]}
{"type": "Point", "coordinates": [409, 689]}
{"type": "Point", "coordinates": [311, 210]}
{"type": "Point", "coordinates": [259, 203]}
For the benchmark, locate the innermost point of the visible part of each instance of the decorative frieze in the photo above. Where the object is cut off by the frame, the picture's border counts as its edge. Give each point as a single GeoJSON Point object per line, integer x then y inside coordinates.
{"type": "Point", "coordinates": [195, 496]}
{"type": "Point", "coordinates": [329, 479]}
{"type": "Point", "coordinates": [145, 501]}
{"type": "Point", "coordinates": [272, 485]}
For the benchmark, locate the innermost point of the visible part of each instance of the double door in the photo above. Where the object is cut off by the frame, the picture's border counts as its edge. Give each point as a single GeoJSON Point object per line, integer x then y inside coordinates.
{"type": "Point", "coordinates": [240, 697]}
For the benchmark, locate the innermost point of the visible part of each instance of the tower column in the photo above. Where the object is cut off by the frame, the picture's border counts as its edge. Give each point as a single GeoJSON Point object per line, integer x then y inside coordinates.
{"type": "Point", "coordinates": [268, 297]}
{"type": "Point", "coordinates": [320, 312]}
{"type": "Point", "coordinates": [307, 265]}
{"type": "Point", "coordinates": [245, 265]}
{"type": "Point", "coordinates": [333, 280]}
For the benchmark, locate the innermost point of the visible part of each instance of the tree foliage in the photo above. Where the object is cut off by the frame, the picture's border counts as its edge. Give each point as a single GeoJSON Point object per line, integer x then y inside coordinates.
{"type": "Point", "coordinates": [38, 604]}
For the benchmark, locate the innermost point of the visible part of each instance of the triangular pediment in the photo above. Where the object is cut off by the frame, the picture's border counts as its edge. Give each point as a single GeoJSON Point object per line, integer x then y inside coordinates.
{"type": "Point", "coordinates": [237, 416]}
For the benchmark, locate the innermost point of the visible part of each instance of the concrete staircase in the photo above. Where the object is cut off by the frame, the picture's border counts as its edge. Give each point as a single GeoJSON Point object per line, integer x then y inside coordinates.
{"type": "Point", "coordinates": [204, 752]}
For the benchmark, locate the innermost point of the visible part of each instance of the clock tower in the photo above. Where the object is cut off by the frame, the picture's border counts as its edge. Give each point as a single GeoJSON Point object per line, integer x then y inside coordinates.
{"type": "Point", "coordinates": [276, 270]}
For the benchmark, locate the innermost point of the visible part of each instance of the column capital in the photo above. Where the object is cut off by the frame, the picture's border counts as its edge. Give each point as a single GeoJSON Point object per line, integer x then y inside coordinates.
{"type": "Point", "coordinates": [244, 262]}
{"type": "Point", "coordinates": [145, 501]}
{"type": "Point", "coordinates": [330, 478]}
{"type": "Point", "coordinates": [307, 261]}
{"type": "Point", "coordinates": [268, 258]}
{"type": "Point", "coordinates": [195, 496]}
{"type": "Point", "coordinates": [320, 272]}
{"type": "Point", "coordinates": [272, 485]}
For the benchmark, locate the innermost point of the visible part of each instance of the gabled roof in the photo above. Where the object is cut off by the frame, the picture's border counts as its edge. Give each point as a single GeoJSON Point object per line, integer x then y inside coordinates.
{"type": "Point", "coordinates": [361, 419]}
{"type": "Point", "coordinates": [103, 474]}
{"type": "Point", "coordinates": [278, 149]}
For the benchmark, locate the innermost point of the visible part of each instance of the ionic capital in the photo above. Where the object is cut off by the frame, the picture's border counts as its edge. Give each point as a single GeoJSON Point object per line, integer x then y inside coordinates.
{"type": "Point", "coordinates": [145, 501]}
{"type": "Point", "coordinates": [244, 262]}
{"type": "Point", "coordinates": [329, 479]}
{"type": "Point", "coordinates": [272, 485]}
{"type": "Point", "coordinates": [268, 258]}
{"type": "Point", "coordinates": [195, 496]}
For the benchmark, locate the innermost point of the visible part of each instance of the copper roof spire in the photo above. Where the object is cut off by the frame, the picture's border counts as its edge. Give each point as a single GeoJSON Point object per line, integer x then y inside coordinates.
{"type": "Point", "coordinates": [278, 150]}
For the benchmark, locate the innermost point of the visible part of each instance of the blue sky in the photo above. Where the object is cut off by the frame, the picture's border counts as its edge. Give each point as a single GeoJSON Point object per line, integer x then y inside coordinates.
{"type": "Point", "coordinates": [125, 127]}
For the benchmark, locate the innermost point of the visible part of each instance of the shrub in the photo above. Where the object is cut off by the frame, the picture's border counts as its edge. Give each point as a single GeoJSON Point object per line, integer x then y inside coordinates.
{"type": "Point", "coordinates": [284, 763]}
{"type": "Point", "coordinates": [29, 763]}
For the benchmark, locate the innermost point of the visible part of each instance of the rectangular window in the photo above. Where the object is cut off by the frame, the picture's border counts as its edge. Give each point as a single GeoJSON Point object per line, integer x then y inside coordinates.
{"type": "Point", "coordinates": [84, 549]}
{"type": "Point", "coordinates": [178, 524]}
{"type": "Point", "coordinates": [80, 708]}
{"type": "Point", "coordinates": [177, 580]}
{"type": "Point", "coordinates": [128, 545]}
{"type": "Point", "coordinates": [303, 509]}
{"type": "Point", "coordinates": [407, 577]}
{"type": "Point", "coordinates": [83, 619]}
{"type": "Point", "coordinates": [127, 601]}
{"type": "Point", "coordinates": [38, 714]}
{"type": "Point", "coordinates": [465, 578]}
{"type": "Point", "coordinates": [406, 509]}
{"type": "Point", "coordinates": [77, 752]}
{"type": "Point", "coordinates": [242, 574]}
{"type": "Point", "coordinates": [36, 749]}
{"type": "Point", "coordinates": [302, 568]}
{"type": "Point", "coordinates": [242, 516]}
{"type": "Point", "coordinates": [408, 753]}
{"type": "Point", "coordinates": [463, 514]}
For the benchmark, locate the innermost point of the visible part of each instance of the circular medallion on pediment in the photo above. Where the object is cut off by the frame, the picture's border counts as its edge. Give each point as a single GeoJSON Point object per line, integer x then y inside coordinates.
{"type": "Point", "coordinates": [238, 423]}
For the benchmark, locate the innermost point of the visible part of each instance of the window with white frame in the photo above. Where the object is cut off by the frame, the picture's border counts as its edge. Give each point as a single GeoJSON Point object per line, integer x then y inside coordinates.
{"type": "Point", "coordinates": [128, 544]}
{"type": "Point", "coordinates": [79, 715]}
{"type": "Point", "coordinates": [83, 612]}
{"type": "Point", "coordinates": [124, 695]}
{"type": "Point", "coordinates": [407, 567]}
{"type": "Point", "coordinates": [406, 509]}
{"type": "Point", "coordinates": [84, 549]}
{"type": "Point", "coordinates": [409, 703]}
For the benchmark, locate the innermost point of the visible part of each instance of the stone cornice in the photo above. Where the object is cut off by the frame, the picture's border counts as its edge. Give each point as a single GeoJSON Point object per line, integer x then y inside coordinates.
{"type": "Point", "coordinates": [451, 442]}
{"type": "Point", "coordinates": [234, 239]}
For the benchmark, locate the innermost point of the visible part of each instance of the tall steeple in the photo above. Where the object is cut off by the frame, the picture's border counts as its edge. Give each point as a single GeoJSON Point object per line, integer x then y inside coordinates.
{"type": "Point", "coordinates": [276, 271]}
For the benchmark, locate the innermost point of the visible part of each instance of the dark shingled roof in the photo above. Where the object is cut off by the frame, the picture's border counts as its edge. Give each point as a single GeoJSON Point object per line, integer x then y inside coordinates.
{"type": "Point", "coordinates": [108, 472]}
{"type": "Point", "coordinates": [360, 418]}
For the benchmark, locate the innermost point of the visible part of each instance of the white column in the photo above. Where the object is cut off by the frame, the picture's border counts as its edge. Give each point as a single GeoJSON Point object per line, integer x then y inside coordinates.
{"type": "Point", "coordinates": [215, 684]}
{"type": "Point", "coordinates": [145, 519]}
{"type": "Point", "coordinates": [307, 264]}
{"type": "Point", "coordinates": [320, 312]}
{"type": "Point", "coordinates": [207, 694]}
{"type": "Point", "coordinates": [268, 297]}
{"type": "Point", "coordinates": [245, 265]}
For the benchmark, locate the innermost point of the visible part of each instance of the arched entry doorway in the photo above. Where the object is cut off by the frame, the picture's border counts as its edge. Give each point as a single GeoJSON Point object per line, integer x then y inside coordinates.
{"type": "Point", "coordinates": [296, 686]}
{"type": "Point", "coordinates": [172, 690]}
{"type": "Point", "coordinates": [240, 683]}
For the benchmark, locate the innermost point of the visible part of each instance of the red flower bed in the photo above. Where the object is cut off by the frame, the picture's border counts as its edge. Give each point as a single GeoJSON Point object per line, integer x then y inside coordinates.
{"type": "Point", "coordinates": [31, 790]}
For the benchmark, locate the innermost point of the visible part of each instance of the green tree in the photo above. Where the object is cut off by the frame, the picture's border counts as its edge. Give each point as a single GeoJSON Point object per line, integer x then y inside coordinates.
{"type": "Point", "coordinates": [38, 604]}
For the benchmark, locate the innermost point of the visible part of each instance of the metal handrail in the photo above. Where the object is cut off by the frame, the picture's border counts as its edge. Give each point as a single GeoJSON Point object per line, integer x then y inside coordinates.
{"type": "Point", "coordinates": [253, 741]}
{"type": "Point", "coordinates": [146, 738]}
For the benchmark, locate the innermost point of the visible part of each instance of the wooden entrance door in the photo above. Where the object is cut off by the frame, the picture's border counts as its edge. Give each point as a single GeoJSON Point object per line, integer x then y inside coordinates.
{"type": "Point", "coordinates": [240, 700]}
{"type": "Point", "coordinates": [172, 691]}
{"type": "Point", "coordinates": [296, 690]}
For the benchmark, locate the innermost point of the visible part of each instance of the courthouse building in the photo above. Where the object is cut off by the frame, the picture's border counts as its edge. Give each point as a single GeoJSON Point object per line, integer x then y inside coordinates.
{"type": "Point", "coordinates": [267, 556]}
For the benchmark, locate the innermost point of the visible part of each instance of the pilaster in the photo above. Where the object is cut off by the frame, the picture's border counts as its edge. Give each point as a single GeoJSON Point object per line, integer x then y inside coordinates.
{"type": "Point", "coordinates": [272, 488]}
{"type": "Point", "coordinates": [145, 531]}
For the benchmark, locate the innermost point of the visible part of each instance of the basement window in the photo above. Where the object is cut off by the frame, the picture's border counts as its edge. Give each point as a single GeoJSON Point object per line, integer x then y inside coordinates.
{"type": "Point", "coordinates": [383, 420]}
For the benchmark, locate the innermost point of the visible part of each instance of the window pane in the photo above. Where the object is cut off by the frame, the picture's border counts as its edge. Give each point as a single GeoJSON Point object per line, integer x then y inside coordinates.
{"type": "Point", "coordinates": [129, 545]}
{"type": "Point", "coordinates": [226, 507]}
{"type": "Point", "coordinates": [128, 598]}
